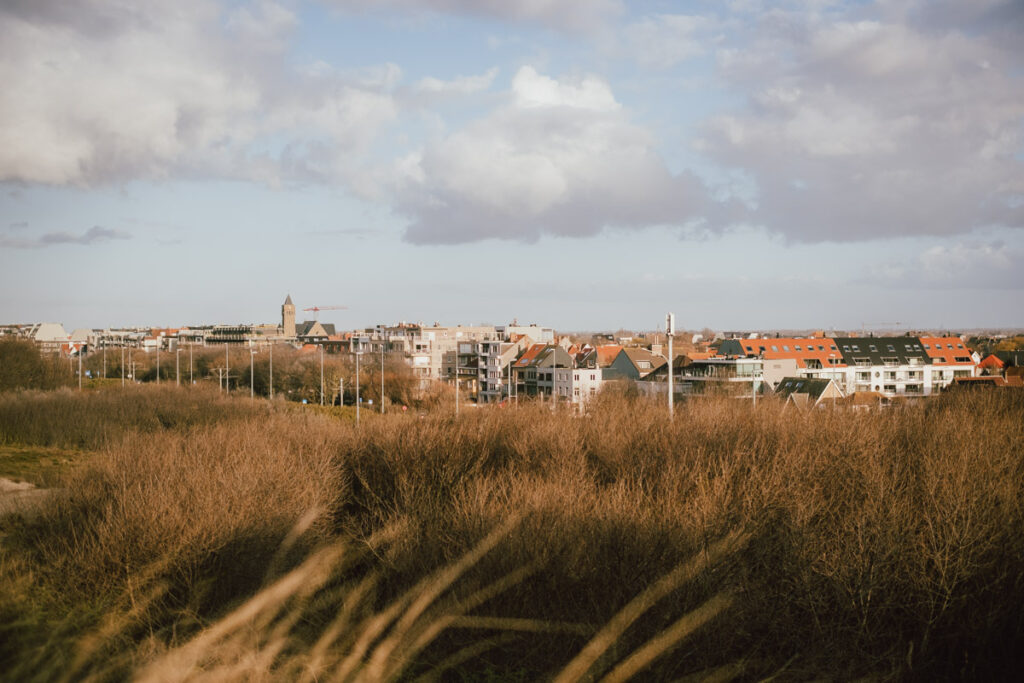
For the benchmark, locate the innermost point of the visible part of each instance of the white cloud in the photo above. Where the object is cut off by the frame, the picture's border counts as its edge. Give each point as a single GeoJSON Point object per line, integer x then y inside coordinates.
{"type": "Point", "coordinates": [560, 157]}
{"type": "Point", "coordinates": [532, 89]}
{"type": "Point", "coordinates": [887, 123]}
{"type": "Point", "coordinates": [120, 91]}
{"type": "Point", "coordinates": [462, 85]}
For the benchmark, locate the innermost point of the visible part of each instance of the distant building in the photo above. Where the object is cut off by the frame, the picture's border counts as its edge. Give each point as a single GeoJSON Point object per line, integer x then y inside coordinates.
{"type": "Point", "coordinates": [288, 318]}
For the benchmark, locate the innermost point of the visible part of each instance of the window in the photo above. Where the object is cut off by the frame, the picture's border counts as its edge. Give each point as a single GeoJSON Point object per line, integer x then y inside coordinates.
{"type": "Point", "coordinates": [846, 347]}
{"type": "Point", "coordinates": [949, 346]}
{"type": "Point", "coordinates": [890, 388]}
{"type": "Point", "coordinates": [874, 349]}
{"type": "Point", "coordinates": [913, 389]}
{"type": "Point", "coordinates": [927, 347]}
{"type": "Point", "coordinates": [774, 347]}
{"type": "Point", "coordinates": [892, 349]}
{"type": "Point", "coordinates": [822, 348]}
{"type": "Point", "coordinates": [785, 347]}
{"type": "Point", "coordinates": [797, 347]}
{"type": "Point", "coordinates": [856, 348]}
{"type": "Point", "coordinates": [959, 346]}
{"type": "Point", "coordinates": [762, 349]}
{"type": "Point", "coordinates": [963, 359]}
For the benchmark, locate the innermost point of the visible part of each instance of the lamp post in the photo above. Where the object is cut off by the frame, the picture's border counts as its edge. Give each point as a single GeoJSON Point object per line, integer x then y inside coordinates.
{"type": "Point", "coordinates": [456, 377]}
{"type": "Point", "coordinates": [321, 374]}
{"type": "Point", "coordinates": [357, 389]}
{"type": "Point", "coordinates": [670, 330]}
{"type": "Point", "coordinates": [79, 368]}
{"type": "Point", "coordinates": [158, 360]}
{"type": "Point", "coordinates": [190, 345]}
{"type": "Point", "coordinates": [177, 365]}
{"type": "Point", "coordinates": [271, 371]}
{"type": "Point", "coordinates": [227, 369]}
{"type": "Point", "coordinates": [122, 361]}
{"type": "Point", "coordinates": [382, 377]}
{"type": "Point", "coordinates": [252, 373]}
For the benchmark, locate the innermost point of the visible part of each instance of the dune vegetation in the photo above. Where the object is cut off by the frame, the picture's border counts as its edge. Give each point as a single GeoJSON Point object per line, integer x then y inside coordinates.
{"type": "Point", "coordinates": [212, 537]}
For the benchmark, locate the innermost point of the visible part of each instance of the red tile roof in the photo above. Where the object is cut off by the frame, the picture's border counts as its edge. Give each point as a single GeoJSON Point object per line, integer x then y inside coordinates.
{"type": "Point", "coordinates": [530, 354]}
{"type": "Point", "coordinates": [946, 350]}
{"type": "Point", "coordinates": [801, 350]}
{"type": "Point", "coordinates": [606, 354]}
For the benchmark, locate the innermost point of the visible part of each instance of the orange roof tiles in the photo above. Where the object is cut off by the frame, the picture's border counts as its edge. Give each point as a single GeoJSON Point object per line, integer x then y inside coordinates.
{"type": "Point", "coordinates": [530, 354]}
{"type": "Point", "coordinates": [801, 350]}
{"type": "Point", "coordinates": [945, 350]}
{"type": "Point", "coordinates": [606, 354]}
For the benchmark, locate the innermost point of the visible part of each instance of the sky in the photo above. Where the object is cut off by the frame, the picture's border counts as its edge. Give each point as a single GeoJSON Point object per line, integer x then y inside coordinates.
{"type": "Point", "coordinates": [584, 164]}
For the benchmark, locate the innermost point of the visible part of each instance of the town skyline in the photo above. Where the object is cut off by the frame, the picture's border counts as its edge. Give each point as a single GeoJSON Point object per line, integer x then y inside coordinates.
{"type": "Point", "coordinates": [745, 165]}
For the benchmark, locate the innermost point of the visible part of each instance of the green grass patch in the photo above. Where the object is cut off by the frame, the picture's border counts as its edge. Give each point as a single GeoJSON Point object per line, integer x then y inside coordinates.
{"type": "Point", "coordinates": [39, 465]}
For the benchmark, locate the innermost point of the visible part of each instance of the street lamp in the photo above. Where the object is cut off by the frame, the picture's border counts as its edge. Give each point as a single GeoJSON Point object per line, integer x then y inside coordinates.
{"type": "Point", "coordinates": [321, 373]}
{"type": "Point", "coordinates": [670, 330]}
{"type": "Point", "coordinates": [357, 388]}
{"type": "Point", "coordinates": [252, 373]}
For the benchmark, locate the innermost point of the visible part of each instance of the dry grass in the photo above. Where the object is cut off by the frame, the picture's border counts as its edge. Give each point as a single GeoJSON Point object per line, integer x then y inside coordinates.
{"type": "Point", "coordinates": [206, 543]}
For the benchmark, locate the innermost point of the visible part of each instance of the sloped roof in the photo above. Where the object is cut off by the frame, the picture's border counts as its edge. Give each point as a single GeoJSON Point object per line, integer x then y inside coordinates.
{"type": "Point", "coordinates": [606, 354]}
{"type": "Point", "coordinates": [992, 361]}
{"type": "Point", "coordinates": [288, 301]}
{"type": "Point", "coordinates": [946, 350]}
{"type": "Point", "coordinates": [799, 349]}
{"type": "Point", "coordinates": [875, 349]}
{"type": "Point", "coordinates": [813, 387]}
{"type": "Point", "coordinates": [530, 355]}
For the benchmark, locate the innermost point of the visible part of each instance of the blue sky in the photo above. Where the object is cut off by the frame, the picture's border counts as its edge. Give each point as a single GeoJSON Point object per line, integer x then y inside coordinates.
{"type": "Point", "coordinates": [588, 164]}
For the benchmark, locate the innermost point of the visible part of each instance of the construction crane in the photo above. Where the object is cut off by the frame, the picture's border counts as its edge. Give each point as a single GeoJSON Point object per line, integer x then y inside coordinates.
{"type": "Point", "coordinates": [316, 309]}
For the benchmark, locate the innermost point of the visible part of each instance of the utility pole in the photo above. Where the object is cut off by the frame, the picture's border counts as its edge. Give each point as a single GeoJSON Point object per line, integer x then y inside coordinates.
{"type": "Point", "coordinates": [190, 345]}
{"type": "Point", "coordinates": [227, 366]}
{"type": "Point", "coordinates": [271, 371]}
{"type": "Point", "coordinates": [104, 360]}
{"type": "Point", "coordinates": [79, 368]}
{"type": "Point", "coordinates": [456, 377]}
{"type": "Point", "coordinates": [382, 377]}
{"type": "Point", "coordinates": [252, 374]}
{"type": "Point", "coordinates": [122, 362]}
{"type": "Point", "coordinates": [321, 374]}
{"type": "Point", "coordinates": [158, 360]}
{"type": "Point", "coordinates": [177, 364]}
{"type": "Point", "coordinates": [670, 330]}
{"type": "Point", "coordinates": [357, 389]}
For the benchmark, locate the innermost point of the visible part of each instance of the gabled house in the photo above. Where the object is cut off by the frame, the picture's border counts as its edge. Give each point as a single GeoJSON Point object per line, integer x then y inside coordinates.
{"type": "Point", "coordinates": [544, 369]}
{"type": "Point", "coordinates": [808, 393]}
{"type": "Point", "coordinates": [634, 364]}
{"type": "Point", "coordinates": [314, 331]}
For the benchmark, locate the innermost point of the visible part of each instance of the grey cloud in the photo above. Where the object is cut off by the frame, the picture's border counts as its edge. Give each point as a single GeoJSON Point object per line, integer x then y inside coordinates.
{"type": "Point", "coordinates": [870, 125]}
{"type": "Point", "coordinates": [572, 15]}
{"type": "Point", "coordinates": [94, 235]}
{"type": "Point", "coordinates": [969, 264]}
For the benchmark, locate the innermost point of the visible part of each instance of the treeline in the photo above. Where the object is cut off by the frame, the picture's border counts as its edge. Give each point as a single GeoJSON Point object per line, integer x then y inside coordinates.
{"type": "Point", "coordinates": [22, 366]}
{"type": "Point", "coordinates": [296, 374]}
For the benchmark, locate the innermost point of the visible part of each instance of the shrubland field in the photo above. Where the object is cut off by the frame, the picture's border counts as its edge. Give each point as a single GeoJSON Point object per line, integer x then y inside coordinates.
{"type": "Point", "coordinates": [194, 536]}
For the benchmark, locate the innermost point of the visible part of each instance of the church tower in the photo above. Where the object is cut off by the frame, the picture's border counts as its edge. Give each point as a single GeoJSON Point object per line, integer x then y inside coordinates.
{"type": "Point", "coordinates": [288, 318]}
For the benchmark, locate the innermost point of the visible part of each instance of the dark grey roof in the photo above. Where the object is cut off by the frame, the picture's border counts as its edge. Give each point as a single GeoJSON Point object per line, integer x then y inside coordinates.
{"type": "Point", "coordinates": [288, 301]}
{"type": "Point", "coordinates": [876, 349]}
{"type": "Point", "coordinates": [802, 385]}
